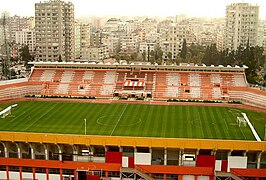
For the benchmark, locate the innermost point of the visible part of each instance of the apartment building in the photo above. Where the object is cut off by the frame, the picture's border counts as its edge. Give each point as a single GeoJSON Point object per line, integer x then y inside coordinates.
{"type": "Point", "coordinates": [172, 37]}
{"type": "Point", "coordinates": [82, 40]}
{"type": "Point", "coordinates": [54, 25]}
{"type": "Point", "coordinates": [129, 42]}
{"type": "Point", "coordinates": [206, 38]}
{"type": "Point", "coordinates": [132, 25]}
{"type": "Point", "coordinates": [149, 25]}
{"type": "Point", "coordinates": [260, 35]}
{"type": "Point", "coordinates": [31, 23]}
{"type": "Point", "coordinates": [26, 37]}
{"type": "Point", "coordinates": [220, 41]}
{"type": "Point", "coordinates": [147, 48]}
{"type": "Point", "coordinates": [111, 41]}
{"type": "Point", "coordinates": [98, 53]}
{"type": "Point", "coordinates": [15, 23]}
{"type": "Point", "coordinates": [241, 25]}
{"type": "Point", "coordinates": [141, 33]}
{"type": "Point", "coordinates": [77, 41]}
{"type": "Point", "coordinates": [112, 25]}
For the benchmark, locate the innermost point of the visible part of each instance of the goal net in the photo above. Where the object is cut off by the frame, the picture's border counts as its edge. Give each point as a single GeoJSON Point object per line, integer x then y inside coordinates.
{"type": "Point", "coordinates": [5, 112]}
{"type": "Point", "coordinates": [241, 121]}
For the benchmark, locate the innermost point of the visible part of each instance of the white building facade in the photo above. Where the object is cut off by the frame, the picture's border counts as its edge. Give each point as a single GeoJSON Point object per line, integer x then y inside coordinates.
{"type": "Point", "coordinates": [26, 37]}
{"type": "Point", "coordinates": [241, 25]}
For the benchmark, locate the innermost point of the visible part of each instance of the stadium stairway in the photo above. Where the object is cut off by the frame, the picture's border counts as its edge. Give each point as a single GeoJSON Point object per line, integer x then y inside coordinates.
{"type": "Point", "coordinates": [226, 175]}
{"type": "Point", "coordinates": [136, 171]}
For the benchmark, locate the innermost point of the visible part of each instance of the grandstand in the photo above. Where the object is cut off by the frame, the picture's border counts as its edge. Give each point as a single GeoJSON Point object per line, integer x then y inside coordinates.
{"type": "Point", "coordinates": [42, 155]}
{"type": "Point", "coordinates": [157, 82]}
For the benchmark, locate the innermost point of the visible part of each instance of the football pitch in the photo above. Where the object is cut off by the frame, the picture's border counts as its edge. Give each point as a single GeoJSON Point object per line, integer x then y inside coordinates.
{"type": "Point", "coordinates": [173, 121]}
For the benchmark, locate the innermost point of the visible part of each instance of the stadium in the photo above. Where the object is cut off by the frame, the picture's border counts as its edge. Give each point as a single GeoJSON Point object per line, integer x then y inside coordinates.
{"type": "Point", "coordinates": [72, 120]}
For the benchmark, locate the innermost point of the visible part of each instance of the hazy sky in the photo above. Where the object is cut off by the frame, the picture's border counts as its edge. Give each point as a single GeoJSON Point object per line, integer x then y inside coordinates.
{"type": "Point", "coordinates": [212, 8]}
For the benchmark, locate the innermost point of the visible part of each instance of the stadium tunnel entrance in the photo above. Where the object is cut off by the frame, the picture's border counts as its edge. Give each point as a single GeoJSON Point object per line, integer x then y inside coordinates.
{"type": "Point", "coordinates": [12, 149]}
{"type": "Point", "coordinates": [39, 151]}
{"type": "Point", "coordinates": [2, 149]}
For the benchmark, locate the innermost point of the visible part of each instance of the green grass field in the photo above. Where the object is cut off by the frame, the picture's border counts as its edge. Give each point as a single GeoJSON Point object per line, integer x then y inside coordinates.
{"type": "Point", "coordinates": [131, 120]}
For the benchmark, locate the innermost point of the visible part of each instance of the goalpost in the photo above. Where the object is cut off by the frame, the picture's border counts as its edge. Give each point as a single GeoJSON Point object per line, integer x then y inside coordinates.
{"type": "Point", "coordinates": [241, 121]}
{"type": "Point", "coordinates": [7, 111]}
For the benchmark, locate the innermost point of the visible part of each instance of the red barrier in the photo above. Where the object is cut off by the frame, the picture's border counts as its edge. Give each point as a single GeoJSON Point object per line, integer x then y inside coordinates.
{"type": "Point", "coordinates": [113, 157]}
{"type": "Point", "coordinates": [224, 165]}
{"type": "Point", "coordinates": [205, 161]}
{"type": "Point", "coordinates": [131, 162]}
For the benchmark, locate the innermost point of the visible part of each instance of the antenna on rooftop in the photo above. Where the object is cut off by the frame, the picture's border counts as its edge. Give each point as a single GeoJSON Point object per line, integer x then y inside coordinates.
{"type": "Point", "coordinates": [6, 54]}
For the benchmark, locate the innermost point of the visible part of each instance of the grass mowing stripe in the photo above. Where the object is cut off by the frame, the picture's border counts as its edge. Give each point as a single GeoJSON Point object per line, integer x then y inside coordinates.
{"type": "Point", "coordinates": [182, 127]}
{"type": "Point", "coordinates": [20, 123]}
{"type": "Point", "coordinates": [196, 124]}
{"type": "Point", "coordinates": [189, 131]}
{"type": "Point", "coordinates": [145, 116]}
{"type": "Point", "coordinates": [172, 123]}
{"type": "Point", "coordinates": [200, 123]}
{"type": "Point", "coordinates": [206, 123]}
{"type": "Point", "coordinates": [66, 119]}
{"type": "Point", "coordinates": [235, 132]}
{"type": "Point", "coordinates": [156, 120]}
{"type": "Point", "coordinates": [37, 119]}
{"type": "Point", "coordinates": [227, 128]}
{"type": "Point", "coordinates": [258, 122]}
{"type": "Point", "coordinates": [118, 120]}
{"type": "Point", "coordinates": [210, 121]}
{"type": "Point", "coordinates": [165, 127]}
{"type": "Point", "coordinates": [133, 120]}
{"type": "Point", "coordinates": [218, 122]}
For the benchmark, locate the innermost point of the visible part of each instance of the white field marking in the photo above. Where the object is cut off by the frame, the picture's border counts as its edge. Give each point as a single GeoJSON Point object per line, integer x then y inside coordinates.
{"type": "Point", "coordinates": [40, 117]}
{"type": "Point", "coordinates": [18, 116]}
{"type": "Point", "coordinates": [226, 124]}
{"type": "Point", "coordinates": [242, 132]}
{"type": "Point", "coordinates": [251, 127]}
{"type": "Point", "coordinates": [118, 120]}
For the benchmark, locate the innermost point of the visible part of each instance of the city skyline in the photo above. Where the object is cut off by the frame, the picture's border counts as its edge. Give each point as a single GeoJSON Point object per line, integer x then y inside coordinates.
{"type": "Point", "coordinates": [160, 8]}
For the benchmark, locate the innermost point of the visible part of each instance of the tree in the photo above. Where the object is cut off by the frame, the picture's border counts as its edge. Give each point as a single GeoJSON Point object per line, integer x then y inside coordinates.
{"type": "Point", "coordinates": [144, 56]}
{"type": "Point", "coordinates": [169, 55]}
{"type": "Point", "coordinates": [25, 55]}
{"type": "Point", "coordinates": [60, 58]}
{"type": "Point", "coordinates": [117, 57]}
{"type": "Point", "coordinates": [183, 53]}
{"type": "Point", "coordinates": [127, 58]}
{"type": "Point", "coordinates": [158, 56]}
{"type": "Point", "coordinates": [134, 56]}
{"type": "Point", "coordinates": [13, 73]}
{"type": "Point", "coordinates": [212, 56]}
{"type": "Point", "coordinates": [195, 53]}
{"type": "Point", "coordinates": [152, 58]}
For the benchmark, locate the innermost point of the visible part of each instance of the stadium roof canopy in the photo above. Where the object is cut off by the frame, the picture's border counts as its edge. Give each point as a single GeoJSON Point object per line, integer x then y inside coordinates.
{"type": "Point", "coordinates": [139, 66]}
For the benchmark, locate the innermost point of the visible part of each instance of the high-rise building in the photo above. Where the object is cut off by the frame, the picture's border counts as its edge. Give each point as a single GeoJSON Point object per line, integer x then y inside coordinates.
{"type": "Point", "coordinates": [82, 40]}
{"type": "Point", "coordinates": [220, 41]}
{"type": "Point", "coordinates": [13, 24]}
{"type": "Point", "coordinates": [54, 26]}
{"type": "Point", "coordinates": [241, 25]}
